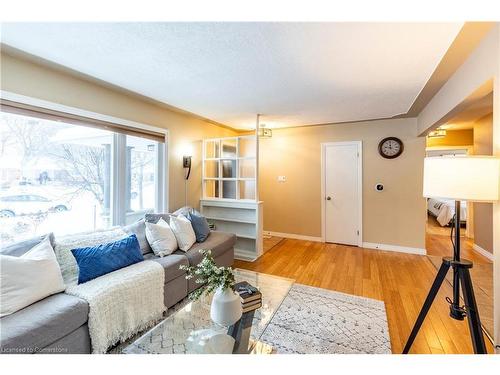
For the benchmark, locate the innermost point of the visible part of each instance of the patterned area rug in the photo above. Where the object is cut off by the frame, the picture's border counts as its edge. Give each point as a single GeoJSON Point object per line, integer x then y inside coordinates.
{"type": "Point", "coordinates": [319, 321]}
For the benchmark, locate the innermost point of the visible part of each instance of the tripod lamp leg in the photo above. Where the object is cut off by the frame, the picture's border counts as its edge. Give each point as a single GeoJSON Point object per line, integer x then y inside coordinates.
{"type": "Point", "coordinates": [445, 266]}
{"type": "Point", "coordinates": [472, 312]}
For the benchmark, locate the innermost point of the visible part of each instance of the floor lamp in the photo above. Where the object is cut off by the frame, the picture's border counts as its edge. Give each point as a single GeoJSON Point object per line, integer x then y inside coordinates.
{"type": "Point", "coordinates": [474, 179]}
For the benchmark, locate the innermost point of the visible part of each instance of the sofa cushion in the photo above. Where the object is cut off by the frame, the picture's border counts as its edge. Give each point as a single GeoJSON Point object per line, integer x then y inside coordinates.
{"type": "Point", "coordinates": [171, 264]}
{"type": "Point", "coordinates": [19, 248]}
{"type": "Point", "coordinates": [154, 218]}
{"type": "Point", "coordinates": [217, 242]}
{"type": "Point", "coordinates": [42, 323]}
{"type": "Point", "coordinates": [99, 260]}
{"type": "Point", "coordinates": [200, 225]}
{"type": "Point", "coordinates": [185, 210]}
{"type": "Point", "coordinates": [29, 278]}
{"type": "Point", "coordinates": [139, 229]}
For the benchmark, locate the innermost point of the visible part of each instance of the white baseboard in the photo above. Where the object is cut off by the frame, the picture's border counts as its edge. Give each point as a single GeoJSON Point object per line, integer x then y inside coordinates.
{"type": "Point", "coordinates": [483, 252]}
{"type": "Point", "coordinates": [368, 245]}
{"type": "Point", "coordinates": [401, 249]}
{"type": "Point", "coordinates": [293, 236]}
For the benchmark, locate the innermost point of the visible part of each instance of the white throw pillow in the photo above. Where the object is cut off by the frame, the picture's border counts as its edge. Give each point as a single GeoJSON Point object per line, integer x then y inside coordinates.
{"type": "Point", "coordinates": [183, 230]}
{"type": "Point", "coordinates": [29, 278]}
{"type": "Point", "coordinates": [161, 238]}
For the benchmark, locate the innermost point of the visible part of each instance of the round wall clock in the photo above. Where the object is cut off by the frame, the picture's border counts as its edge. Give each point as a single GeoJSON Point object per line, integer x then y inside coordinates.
{"type": "Point", "coordinates": [390, 147]}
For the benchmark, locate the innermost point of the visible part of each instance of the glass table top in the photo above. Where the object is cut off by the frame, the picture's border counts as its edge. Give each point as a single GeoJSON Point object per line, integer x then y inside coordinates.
{"type": "Point", "coordinates": [179, 332]}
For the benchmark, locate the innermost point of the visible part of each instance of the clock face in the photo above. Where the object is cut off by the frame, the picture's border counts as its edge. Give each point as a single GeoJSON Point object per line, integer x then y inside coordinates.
{"type": "Point", "coordinates": [390, 147]}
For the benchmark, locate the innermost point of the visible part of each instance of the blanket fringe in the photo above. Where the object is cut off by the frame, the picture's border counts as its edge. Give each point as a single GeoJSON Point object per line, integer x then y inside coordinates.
{"type": "Point", "coordinates": [126, 335]}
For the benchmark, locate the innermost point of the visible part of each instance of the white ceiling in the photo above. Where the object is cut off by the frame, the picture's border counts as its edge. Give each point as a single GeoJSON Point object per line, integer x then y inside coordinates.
{"type": "Point", "coordinates": [477, 109]}
{"type": "Point", "coordinates": [292, 73]}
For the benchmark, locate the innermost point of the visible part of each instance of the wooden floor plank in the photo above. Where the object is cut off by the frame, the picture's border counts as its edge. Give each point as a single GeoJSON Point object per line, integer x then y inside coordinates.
{"type": "Point", "coordinates": [402, 281]}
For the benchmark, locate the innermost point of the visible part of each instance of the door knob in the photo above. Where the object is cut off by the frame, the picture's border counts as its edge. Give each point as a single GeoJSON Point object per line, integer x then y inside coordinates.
{"type": "Point", "coordinates": [328, 198]}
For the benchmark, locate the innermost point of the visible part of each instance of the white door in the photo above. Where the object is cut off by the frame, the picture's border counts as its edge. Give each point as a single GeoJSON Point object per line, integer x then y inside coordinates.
{"type": "Point", "coordinates": [342, 192]}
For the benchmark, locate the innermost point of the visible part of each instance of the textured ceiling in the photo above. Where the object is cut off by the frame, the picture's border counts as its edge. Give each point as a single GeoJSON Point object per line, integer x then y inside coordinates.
{"type": "Point", "coordinates": [292, 73]}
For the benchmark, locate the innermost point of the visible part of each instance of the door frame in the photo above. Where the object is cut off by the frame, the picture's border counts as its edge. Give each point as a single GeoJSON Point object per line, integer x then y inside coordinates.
{"type": "Point", "coordinates": [359, 145]}
{"type": "Point", "coordinates": [469, 226]}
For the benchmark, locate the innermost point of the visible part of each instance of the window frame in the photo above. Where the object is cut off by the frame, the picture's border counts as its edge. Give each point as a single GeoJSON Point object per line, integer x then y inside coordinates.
{"type": "Point", "coordinates": [118, 214]}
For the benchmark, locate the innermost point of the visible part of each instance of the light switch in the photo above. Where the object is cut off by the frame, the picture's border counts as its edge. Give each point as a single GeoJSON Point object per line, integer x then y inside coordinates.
{"type": "Point", "coordinates": [281, 178]}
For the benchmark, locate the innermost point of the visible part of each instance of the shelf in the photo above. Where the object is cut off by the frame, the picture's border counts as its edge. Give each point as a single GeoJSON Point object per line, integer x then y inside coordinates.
{"type": "Point", "coordinates": [231, 220]}
{"type": "Point", "coordinates": [236, 157]}
{"type": "Point", "coordinates": [229, 178]}
{"type": "Point", "coordinates": [246, 158]}
{"type": "Point", "coordinates": [220, 178]}
{"type": "Point", "coordinates": [245, 236]}
{"type": "Point", "coordinates": [246, 204]}
{"type": "Point", "coordinates": [232, 158]}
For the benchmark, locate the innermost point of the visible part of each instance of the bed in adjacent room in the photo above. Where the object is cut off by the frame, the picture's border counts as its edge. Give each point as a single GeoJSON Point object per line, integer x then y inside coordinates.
{"type": "Point", "coordinates": [444, 210]}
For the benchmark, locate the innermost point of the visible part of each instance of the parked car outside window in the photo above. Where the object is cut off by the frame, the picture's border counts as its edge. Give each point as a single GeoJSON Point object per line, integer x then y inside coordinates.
{"type": "Point", "coordinates": [27, 204]}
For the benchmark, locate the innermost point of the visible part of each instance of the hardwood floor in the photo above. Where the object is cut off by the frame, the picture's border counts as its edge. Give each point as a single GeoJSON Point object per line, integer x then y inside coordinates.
{"type": "Point", "coordinates": [438, 242]}
{"type": "Point", "coordinates": [271, 241]}
{"type": "Point", "coordinates": [438, 245]}
{"type": "Point", "coordinates": [401, 280]}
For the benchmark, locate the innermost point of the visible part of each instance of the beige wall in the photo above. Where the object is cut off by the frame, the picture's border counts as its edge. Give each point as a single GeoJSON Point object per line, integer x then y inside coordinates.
{"type": "Point", "coordinates": [27, 78]}
{"type": "Point", "coordinates": [462, 137]}
{"type": "Point", "coordinates": [394, 217]}
{"type": "Point", "coordinates": [483, 212]}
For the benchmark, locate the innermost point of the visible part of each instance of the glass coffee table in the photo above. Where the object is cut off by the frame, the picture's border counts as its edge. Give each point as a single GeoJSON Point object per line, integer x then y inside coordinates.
{"type": "Point", "coordinates": [180, 333]}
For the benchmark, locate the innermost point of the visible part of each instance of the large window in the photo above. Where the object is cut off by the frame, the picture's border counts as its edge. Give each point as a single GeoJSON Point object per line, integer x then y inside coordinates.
{"type": "Point", "coordinates": [59, 177]}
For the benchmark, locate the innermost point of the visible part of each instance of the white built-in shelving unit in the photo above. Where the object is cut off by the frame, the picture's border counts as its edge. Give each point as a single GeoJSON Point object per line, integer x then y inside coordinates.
{"type": "Point", "coordinates": [230, 193]}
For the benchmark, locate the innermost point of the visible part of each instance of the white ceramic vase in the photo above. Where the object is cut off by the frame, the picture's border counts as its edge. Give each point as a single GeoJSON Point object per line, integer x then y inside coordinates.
{"type": "Point", "coordinates": [226, 307]}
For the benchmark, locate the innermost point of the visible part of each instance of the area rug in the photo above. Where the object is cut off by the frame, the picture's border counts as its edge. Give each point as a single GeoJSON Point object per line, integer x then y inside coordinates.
{"type": "Point", "coordinates": [319, 321]}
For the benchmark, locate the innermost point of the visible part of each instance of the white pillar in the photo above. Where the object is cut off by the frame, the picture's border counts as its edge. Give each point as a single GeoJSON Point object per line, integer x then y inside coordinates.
{"type": "Point", "coordinates": [496, 206]}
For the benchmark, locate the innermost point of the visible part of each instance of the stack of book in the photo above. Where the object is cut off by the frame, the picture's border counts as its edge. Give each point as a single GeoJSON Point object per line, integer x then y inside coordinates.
{"type": "Point", "coordinates": [251, 298]}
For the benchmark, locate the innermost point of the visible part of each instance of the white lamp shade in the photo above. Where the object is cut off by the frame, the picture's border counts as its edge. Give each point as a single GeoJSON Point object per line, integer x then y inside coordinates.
{"type": "Point", "coordinates": [471, 178]}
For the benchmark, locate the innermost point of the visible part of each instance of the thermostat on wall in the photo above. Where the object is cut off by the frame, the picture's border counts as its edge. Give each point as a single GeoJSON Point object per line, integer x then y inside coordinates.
{"type": "Point", "coordinates": [379, 187]}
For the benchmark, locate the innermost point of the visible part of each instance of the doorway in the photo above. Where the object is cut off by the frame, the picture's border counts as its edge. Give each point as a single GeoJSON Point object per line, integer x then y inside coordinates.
{"type": "Point", "coordinates": [469, 132]}
{"type": "Point", "coordinates": [341, 194]}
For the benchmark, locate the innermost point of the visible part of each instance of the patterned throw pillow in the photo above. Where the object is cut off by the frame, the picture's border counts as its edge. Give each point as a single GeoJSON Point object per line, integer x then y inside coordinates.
{"type": "Point", "coordinates": [99, 260]}
{"type": "Point", "coordinates": [64, 245]}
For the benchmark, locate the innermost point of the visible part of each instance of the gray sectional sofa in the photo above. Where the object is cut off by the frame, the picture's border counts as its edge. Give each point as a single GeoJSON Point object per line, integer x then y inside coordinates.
{"type": "Point", "coordinates": [58, 323]}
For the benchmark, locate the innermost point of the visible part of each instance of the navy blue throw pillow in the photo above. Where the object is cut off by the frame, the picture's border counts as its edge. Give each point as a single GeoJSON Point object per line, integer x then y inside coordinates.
{"type": "Point", "coordinates": [99, 260]}
{"type": "Point", "coordinates": [200, 225]}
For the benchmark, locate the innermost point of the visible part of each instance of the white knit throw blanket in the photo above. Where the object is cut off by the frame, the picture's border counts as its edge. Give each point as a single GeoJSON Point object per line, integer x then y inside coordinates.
{"type": "Point", "coordinates": [122, 303]}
